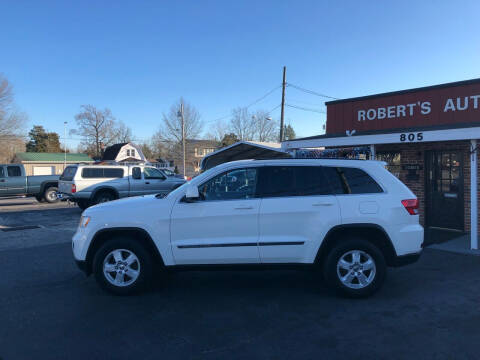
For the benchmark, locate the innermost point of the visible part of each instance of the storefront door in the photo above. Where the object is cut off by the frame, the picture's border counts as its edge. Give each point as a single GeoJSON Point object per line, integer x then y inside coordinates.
{"type": "Point", "coordinates": [444, 189]}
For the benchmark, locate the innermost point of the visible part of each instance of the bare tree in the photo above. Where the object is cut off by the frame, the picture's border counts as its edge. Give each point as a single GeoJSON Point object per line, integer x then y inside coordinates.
{"type": "Point", "coordinates": [12, 123]}
{"type": "Point", "coordinates": [217, 131]}
{"type": "Point", "coordinates": [266, 128]}
{"type": "Point", "coordinates": [97, 127]}
{"type": "Point", "coordinates": [122, 133]}
{"type": "Point", "coordinates": [171, 127]}
{"type": "Point", "coordinates": [242, 124]}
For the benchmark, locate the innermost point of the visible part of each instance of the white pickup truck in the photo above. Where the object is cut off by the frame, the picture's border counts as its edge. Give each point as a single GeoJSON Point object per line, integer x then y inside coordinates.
{"type": "Point", "coordinates": [13, 181]}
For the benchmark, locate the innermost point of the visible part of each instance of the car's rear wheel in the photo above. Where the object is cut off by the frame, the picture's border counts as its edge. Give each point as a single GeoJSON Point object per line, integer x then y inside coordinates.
{"type": "Point", "coordinates": [355, 268]}
{"type": "Point", "coordinates": [122, 266]}
{"type": "Point", "coordinates": [50, 195]}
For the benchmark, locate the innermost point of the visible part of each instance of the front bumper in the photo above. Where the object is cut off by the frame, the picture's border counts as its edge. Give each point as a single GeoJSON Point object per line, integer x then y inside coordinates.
{"type": "Point", "coordinates": [82, 265]}
{"type": "Point", "coordinates": [406, 259]}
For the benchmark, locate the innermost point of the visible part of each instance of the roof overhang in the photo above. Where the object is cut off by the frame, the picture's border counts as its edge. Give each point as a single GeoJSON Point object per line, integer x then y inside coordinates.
{"type": "Point", "coordinates": [404, 137]}
{"type": "Point", "coordinates": [241, 150]}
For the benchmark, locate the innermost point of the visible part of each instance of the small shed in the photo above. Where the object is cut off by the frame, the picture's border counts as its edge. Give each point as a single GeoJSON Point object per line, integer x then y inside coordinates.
{"type": "Point", "coordinates": [244, 150]}
{"type": "Point", "coordinates": [48, 163]}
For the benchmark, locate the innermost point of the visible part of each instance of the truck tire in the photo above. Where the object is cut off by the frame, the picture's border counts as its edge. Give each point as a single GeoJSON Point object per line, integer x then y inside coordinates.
{"type": "Point", "coordinates": [355, 268]}
{"type": "Point", "coordinates": [83, 204]}
{"type": "Point", "coordinates": [50, 195]}
{"type": "Point", "coordinates": [103, 196]}
{"type": "Point", "coordinates": [122, 266]}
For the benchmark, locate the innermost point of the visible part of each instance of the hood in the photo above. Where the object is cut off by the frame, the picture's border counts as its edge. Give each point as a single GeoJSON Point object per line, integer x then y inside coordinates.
{"type": "Point", "coordinates": [127, 203]}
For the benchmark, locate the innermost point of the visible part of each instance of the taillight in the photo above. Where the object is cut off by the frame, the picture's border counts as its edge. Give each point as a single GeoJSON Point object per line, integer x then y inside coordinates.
{"type": "Point", "coordinates": [74, 188]}
{"type": "Point", "coordinates": [411, 205]}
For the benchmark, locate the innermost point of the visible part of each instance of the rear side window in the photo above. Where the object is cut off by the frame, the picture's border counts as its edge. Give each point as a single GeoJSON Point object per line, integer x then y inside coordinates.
{"type": "Point", "coordinates": [96, 173]}
{"type": "Point", "coordinates": [14, 171]}
{"type": "Point", "coordinates": [358, 181]}
{"type": "Point", "coordinates": [2, 173]}
{"type": "Point", "coordinates": [69, 173]}
{"type": "Point", "coordinates": [280, 181]}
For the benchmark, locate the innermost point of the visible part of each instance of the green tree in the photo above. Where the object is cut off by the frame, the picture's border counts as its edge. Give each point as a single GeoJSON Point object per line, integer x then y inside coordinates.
{"type": "Point", "coordinates": [289, 133]}
{"type": "Point", "coordinates": [229, 139]}
{"type": "Point", "coordinates": [42, 141]}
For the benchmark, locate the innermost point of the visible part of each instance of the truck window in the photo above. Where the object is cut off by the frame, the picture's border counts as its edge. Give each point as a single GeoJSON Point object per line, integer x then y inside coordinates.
{"type": "Point", "coordinates": [136, 173]}
{"type": "Point", "coordinates": [2, 173]}
{"type": "Point", "coordinates": [14, 171]}
{"type": "Point", "coordinates": [112, 173]}
{"type": "Point", "coordinates": [97, 173]}
{"type": "Point", "coordinates": [69, 173]}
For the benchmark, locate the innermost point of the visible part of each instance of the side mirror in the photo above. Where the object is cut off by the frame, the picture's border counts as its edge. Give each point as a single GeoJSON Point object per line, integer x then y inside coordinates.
{"type": "Point", "coordinates": [192, 193]}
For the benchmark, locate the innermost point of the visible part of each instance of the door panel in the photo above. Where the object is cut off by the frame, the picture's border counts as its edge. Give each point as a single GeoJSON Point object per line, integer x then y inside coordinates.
{"type": "Point", "coordinates": [3, 181]}
{"type": "Point", "coordinates": [154, 182]}
{"type": "Point", "coordinates": [222, 226]}
{"type": "Point", "coordinates": [444, 190]}
{"type": "Point", "coordinates": [215, 232]}
{"type": "Point", "coordinates": [15, 181]}
{"type": "Point", "coordinates": [297, 210]}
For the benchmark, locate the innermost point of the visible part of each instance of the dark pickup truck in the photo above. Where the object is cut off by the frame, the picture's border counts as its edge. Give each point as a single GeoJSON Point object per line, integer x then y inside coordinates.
{"type": "Point", "coordinates": [13, 181]}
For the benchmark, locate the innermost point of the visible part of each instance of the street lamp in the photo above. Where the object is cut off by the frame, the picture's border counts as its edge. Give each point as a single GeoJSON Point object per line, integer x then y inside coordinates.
{"type": "Point", "coordinates": [65, 144]}
{"type": "Point", "coordinates": [180, 115]}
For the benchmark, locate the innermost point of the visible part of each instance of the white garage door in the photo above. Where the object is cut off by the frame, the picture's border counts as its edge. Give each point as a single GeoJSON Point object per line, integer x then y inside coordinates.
{"type": "Point", "coordinates": [43, 170]}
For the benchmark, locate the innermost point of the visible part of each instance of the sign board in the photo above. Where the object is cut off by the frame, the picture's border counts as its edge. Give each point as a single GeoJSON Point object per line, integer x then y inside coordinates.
{"type": "Point", "coordinates": [449, 104]}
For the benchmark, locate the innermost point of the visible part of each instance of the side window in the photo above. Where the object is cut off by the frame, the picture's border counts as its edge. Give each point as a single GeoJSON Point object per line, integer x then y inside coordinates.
{"type": "Point", "coordinates": [152, 173]}
{"type": "Point", "coordinates": [277, 181]}
{"type": "Point", "coordinates": [358, 181]}
{"type": "Point", "coordinates": [233, 185]}
{"type": "Point", "coordinates": [333, 177]}
{"type": "Point", "coordinates": [133, 153]}
{"type": "Point", "coordinates": [112, 173]}
{"type": "Point", "coordinates": [310, 180]}
{"type": "Point", "coordinates": [2, 172]}
{"type": "Point", "coordinates": [14, 171]}
{"type": "Point", "coordinates": [136, 173]}
{"type": "Point", "coordinates": [92, 173]}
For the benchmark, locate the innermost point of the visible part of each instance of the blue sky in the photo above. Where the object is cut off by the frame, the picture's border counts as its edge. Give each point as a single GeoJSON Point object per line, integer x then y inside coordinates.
{"type": "Point", "coordinates": [139, 57]}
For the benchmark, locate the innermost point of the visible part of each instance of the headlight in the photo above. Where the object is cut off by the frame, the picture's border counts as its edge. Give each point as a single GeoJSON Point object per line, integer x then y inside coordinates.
{"type": "Point", "coordinates": [84, 220]}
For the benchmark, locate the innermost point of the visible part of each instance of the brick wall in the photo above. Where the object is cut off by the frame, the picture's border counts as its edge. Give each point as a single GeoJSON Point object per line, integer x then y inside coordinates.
{"type": "Point", "coordinates": [415, 154]}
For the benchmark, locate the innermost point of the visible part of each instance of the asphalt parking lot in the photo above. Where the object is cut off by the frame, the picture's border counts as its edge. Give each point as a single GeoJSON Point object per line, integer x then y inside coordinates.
{"type": "Point", "coordinates": [50, 310]}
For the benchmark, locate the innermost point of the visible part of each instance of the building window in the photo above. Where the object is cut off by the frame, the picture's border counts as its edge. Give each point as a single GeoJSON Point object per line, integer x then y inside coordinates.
{"type": "Point", "coordinates": [393, 160]}
{"type": "Point", "coordinates": [200, 152]}
{"type": "Point", "coordinates": [132, 152]}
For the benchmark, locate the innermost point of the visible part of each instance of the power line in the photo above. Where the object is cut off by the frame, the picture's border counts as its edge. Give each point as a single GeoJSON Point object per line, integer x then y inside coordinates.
{"type": "Point", "coordinates": [306, 109]}
{"type": "Point", "coordinates": [251, 104]}
{"type": "Point", "coordinates": [311, 92]}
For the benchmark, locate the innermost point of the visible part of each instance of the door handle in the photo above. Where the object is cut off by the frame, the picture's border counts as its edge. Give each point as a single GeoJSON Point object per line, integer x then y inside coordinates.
{"type": "Point", "coordinates": [244, 207]}
{"type": "Point", "coordinates": [323, 204]}
{"type": "Point", "coordinates": [147, 182]}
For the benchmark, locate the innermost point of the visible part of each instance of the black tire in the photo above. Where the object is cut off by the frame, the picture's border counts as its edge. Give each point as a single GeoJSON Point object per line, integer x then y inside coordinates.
{"type": "Point", "coordinates": [83, 204]}
{"type": "Point", "coordinates": [104, 196]}
{"type": "Point", "coordinates": [50, 195]}
{"type": "Point", "coordinates": [39, 198]}
{"type": "Point", "coordinates": [365, 249]}
{"type": "Point", "coordinates": [130, 245]}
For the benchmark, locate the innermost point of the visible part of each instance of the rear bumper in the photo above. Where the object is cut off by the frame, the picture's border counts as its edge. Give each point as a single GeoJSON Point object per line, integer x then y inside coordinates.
{"type": "Point", "coordinates": [65, 196]}
{"type": "Point", "coordinates": [406, 259]}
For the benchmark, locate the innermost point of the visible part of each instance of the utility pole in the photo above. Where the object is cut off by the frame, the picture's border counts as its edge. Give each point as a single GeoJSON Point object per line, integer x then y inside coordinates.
{"type": "Point", "coordinates": [65, 144]}
{"type": "Point", "coordinates": [282, 122]}
{"type": "Point", "coordinates": [183, 136]}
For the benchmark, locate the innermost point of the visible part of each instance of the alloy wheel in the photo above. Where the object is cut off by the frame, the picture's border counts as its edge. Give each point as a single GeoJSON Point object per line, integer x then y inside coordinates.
{"type": "Point", "coordinates": [356, 269]}
{"type": "Point", "coordinates": [121, 267]}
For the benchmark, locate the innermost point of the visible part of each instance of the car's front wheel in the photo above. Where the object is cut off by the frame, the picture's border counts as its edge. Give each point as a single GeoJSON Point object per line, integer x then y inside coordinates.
{"type": "Point", "coordinates": [355, 267]}
{"type": "Point", "coordinates": [122, 266]}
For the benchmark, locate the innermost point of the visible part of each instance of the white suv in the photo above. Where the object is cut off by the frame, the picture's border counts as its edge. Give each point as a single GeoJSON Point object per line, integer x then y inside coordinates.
{"type": "Point", "coordinates": [349, 218]}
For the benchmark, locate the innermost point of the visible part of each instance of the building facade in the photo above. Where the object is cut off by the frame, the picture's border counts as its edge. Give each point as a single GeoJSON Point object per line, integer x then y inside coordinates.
{"type": "Point", "coordinates": [195, 150]}
{"type": "Point", "coordinates": [48, 163]}
{"type": "Point", "coordinates": [428, 137]}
